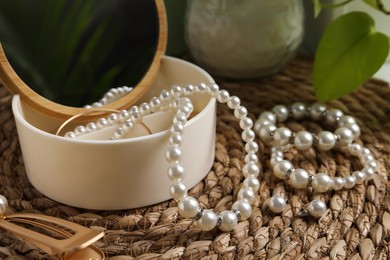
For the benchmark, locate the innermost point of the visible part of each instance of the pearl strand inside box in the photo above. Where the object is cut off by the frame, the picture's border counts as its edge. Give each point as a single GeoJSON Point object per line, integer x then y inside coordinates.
{"type": "Point", "coordinates": [177, 99]}
{"type": "Point", "coordinates": [111, 174]}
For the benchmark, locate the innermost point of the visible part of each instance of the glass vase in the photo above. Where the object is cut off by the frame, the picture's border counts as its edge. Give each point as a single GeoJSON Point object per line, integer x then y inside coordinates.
{"type": "Point", "coordinates": [243, 39]}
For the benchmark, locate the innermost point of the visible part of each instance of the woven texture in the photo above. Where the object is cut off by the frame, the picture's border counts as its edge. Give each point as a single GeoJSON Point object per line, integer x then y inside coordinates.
{"type": "Point", "coordinates": [357, 226]}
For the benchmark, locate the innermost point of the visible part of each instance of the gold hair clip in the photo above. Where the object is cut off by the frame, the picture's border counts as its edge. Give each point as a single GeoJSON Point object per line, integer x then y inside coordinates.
{"type": "Point", "coordinates": [64, 239]}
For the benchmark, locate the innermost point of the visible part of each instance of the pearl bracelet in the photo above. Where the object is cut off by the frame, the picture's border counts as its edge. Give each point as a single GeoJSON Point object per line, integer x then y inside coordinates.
{"type": "Point", "coordinates": [283, 137]}
{"type": "Point", "coordinates": [177, 98]}
{"type": "Point", "coordinates": [322, 182]}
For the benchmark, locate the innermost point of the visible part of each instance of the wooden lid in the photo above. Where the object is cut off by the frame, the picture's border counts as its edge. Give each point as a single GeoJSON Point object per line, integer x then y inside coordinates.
{"type": "Point", "coordinates": [43, 105]}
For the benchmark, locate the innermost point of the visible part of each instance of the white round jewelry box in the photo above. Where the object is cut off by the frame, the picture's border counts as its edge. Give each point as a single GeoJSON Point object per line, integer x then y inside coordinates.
{"type": "Point", "coordinates": [119, 174]}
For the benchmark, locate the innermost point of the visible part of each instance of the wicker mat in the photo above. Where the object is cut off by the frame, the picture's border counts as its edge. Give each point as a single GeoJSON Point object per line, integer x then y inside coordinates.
{"type": "Point", "coordinates": [357, 226]}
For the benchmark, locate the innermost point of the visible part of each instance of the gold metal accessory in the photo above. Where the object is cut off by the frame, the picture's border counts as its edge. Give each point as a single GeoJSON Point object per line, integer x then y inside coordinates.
{"type": "Point", "coordinates": [63, 239]}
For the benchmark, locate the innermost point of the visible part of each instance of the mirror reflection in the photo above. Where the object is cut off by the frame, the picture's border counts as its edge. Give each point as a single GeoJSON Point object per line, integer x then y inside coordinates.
{"type": "Point", "coordinates": [73, 51]}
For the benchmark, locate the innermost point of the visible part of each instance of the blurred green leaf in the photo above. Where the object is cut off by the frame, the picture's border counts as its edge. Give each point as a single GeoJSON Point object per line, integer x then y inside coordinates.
{"type": "Point", "coordinates": [372, 3]}
{"type": "Point", "coordinates": [349, 53]}
{"type": "Point", "coordinates": [317, 7]}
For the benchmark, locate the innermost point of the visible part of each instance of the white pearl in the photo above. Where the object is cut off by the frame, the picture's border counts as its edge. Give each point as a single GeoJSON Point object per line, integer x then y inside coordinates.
{"type": "Point", "coordinates": [189, 89]}
{"type": "Point", "coordinates": [251, 168]}
{"type": "Point", "coordinates": [317, 111]}
{"type": "Point", "coordinates": [368, 157]}
{"type": "Point", "coordinates": [155, 104]}
{"type": "Point", "coordinates": [359, 176]}
{"type": "Point", "coordinates": [345, 136]}
{"type": "Point", "coordinates": [109, 95]}
{"type": "Point", "coordinates": [185, 101]}
{"type": "Point", "coordinates": [145, 109]}
{"type": "Point", "coordinates": [119, 133]}
{"type": "Point", "coordinates": [298, 110]}
{"type": "Point", "coordinates": [186, 110]}
{"type": "Point", "coordinates": [350, 182]}
{"type": "Point", "coordinates": [321, 182]}
{"type": "Point", "coordinates": [213, 89]}
{"type": "Point", "coordinates": [251, 157]}
{"type": "Point", "coordinates": [247, 194]}
{"type": "Point", "coordinates": [248, 135]}
{"type": "Point", "coordinates": [282, 136]}
{"type": "Point", "coordinates": [277, 204]}
{"type": "Point", "coordinates": [269, 116]}
{"type": "Point", "coordinates": [180, 118]}
{"type": "Point", "coordinates": [176, 91]}
{"type": "Point", "coordinates": [338, 183]}
{"type": "Point", "coordinates": [281, 168]}
{"type": "Point", "coordinates": [355, 129]}
{"type": "Point", "coordinates": [333, 115]}
{"type": "Point", "coordinates": [369, 172]}
{"type": "Point", "coordinates": [134, 109]}
{"type": "Point", "coordinates": [276, 153]}
{"type": "Point", "coordinates": [176, 139]}
{"type": "Point", "coordinates": [91, 127]}
{"type": "Point", "coordinates": [165, 95]}
{"type": "Point", "coordinates": [223, 96]}
{"type": "Point", "coordinates": [246, 123]}
{"type": "Point", "coordinates": [260, 123]}
{"type": "Point", "coordinates": [316, 208]}
{"type": "Point", "coordinates": [176, 172]}
{"type": "Point", "coordinates": [188, 207]}
{"type": "Point", "coordinates": [173, 154]}
{"type": "Point", "coordinates": [251, 147]}
{"type": "Point", "coordinates": [234, 102]}
{"type": "Point", "coordinates": [346, 120]}
{"type": "Point", "coordinates": [112, 118]}
{"type": "Point", "coordinates": [326, 140]}
{"type": "Point", "coordinates": [207, 221]}
{"type": "Point", "coordinates": [3, 205]}
{"type": "Point", "coordinates": [114, 91]}
{"type": "Point", "coordinates": [252, 182]}
{"type": "Point", "coordinates": [80, 130]}
{"type": "Point", "coordinates": [240, 112]}
{"type": "Point", "coordinates": [123, 115]}
{"type": "Point", "coordinates": [372, 164]}
{"type": "Point", "coordinates": [102, 122]}
{"type": "Point", "coordinates": [281, 112]}
{"type": "Point", "coordinates": [365, 151]}
{"type": "Point", "coordinates": [355, 149]}
{"type": "Point", "coordinates": [244, 208]}
{"type": "Point", "coordinates": [70, 134]}
{"type": "Point", "coordinates": [128, 125]}
{"type": "Point", "coordinates": [275, 160]}
{"type": "Point", "coordinates": [136, 117]}
{"type": "Point", "coordinates": [299, 178]}
{"type": "Point", "coordinates": [177, 128]}
{"type": "Point", "coordinates": [229, 220]}
{"type": "Point", "coordinates": [201, 87]}
{"type": "Point", "coordinates": [303, 140]}
{"type": "Point", "coordinates": [178, 191]}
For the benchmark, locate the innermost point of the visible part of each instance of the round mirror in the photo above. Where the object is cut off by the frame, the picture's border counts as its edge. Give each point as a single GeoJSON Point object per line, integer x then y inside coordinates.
{"type": "Point", "coordinates": [64, 54]}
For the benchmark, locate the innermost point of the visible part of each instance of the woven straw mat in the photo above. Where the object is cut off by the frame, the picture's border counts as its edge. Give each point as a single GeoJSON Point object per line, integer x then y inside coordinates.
{"type": "Point", "coordinates": [356, 226]}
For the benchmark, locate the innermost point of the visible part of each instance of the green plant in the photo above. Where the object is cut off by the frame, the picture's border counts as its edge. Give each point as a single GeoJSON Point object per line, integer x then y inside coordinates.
{"type": "Point", "coordinates": [350, 51]}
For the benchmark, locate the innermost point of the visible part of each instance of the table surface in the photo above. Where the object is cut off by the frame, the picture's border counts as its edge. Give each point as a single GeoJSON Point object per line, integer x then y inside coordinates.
{"type": "Point", "coordinates": [357, 223]}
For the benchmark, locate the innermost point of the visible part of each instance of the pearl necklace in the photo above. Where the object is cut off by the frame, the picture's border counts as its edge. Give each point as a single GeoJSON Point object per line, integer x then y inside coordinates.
{"type": "Point", "coordinates": [111, 96]}
{"type": "Point", "coordinates": [177, 98]}
{"type": "Point", "coordinates": [284, 139]}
